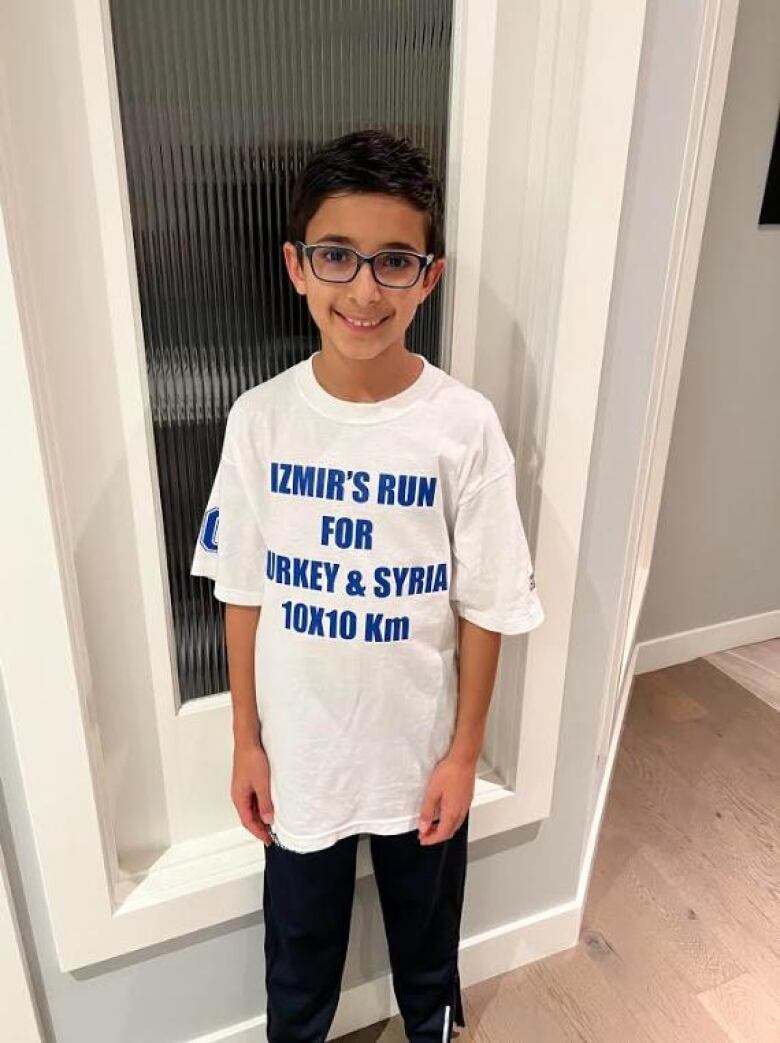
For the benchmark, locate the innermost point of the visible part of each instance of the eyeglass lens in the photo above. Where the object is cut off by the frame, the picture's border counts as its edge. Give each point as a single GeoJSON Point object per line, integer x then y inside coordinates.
{"type": "Point", "coordinates": [338, 264]}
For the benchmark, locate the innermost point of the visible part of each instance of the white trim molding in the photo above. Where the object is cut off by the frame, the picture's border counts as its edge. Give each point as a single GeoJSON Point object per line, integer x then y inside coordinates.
{"type": "Point", "coordinates": [709, 92]}
{"type": "Point", "coordinates": [673, 649]}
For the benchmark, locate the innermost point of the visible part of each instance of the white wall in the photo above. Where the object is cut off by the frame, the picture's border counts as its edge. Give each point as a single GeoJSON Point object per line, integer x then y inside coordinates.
{"type": "Point", "coordinates": [213, 979]}
{"type": "Point", "coordinates": [716, 552]}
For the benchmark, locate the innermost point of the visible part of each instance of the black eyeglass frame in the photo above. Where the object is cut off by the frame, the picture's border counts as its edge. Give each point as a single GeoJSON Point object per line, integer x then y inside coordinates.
{"type": "Point", "coordinates": [426, 260]}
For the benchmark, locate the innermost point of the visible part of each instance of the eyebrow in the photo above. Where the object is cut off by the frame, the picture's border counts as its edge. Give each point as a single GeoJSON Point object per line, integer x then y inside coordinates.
{"type": "Point", "coordinates": [396, 244]}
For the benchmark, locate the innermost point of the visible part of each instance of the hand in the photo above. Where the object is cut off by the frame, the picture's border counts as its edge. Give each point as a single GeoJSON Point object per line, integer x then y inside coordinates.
{"type": "Point", "coordinates": [250, 789]}
{"type": "Point", "coordinates": [452, 787]}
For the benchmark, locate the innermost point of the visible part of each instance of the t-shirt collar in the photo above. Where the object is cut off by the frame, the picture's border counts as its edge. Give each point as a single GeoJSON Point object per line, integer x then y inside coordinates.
{"type": "Point", "coordinates": [363, 412]}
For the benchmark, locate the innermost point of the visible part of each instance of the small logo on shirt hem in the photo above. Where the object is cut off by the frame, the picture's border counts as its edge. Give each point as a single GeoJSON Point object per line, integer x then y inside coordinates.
{"type": "Point", "coordinates": [276, 839]}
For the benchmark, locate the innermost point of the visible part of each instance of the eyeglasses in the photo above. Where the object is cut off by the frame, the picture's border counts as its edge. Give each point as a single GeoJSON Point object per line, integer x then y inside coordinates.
{"type": "Point", "coordinates": [397, 269]}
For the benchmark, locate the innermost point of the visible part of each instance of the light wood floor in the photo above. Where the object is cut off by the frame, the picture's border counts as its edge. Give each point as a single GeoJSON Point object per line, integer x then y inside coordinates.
{"type": "Point", "coordinates": [681, 932]}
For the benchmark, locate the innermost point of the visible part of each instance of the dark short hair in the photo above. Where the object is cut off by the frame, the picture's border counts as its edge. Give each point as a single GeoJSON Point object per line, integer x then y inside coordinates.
{"type": "Point", "coordinates": [370, 160]}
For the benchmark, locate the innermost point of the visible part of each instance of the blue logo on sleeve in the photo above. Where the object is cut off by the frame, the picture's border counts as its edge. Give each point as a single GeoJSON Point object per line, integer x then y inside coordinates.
{"type": "Point", "coordinates": [208, 530]}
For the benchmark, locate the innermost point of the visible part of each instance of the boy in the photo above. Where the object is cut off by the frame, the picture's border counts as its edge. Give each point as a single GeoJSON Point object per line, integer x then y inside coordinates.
{"type": "Point", "coordinates": [365, 502]}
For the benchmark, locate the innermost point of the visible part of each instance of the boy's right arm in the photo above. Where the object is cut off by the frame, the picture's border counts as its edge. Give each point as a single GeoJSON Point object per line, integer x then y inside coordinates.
{"type": "Point", "coordinates": [240, 628]}
{"type": "Point", "coordinates": [250, 788]}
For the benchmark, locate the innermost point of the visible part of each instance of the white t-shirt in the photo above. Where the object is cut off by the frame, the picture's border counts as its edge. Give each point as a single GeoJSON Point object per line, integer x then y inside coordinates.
{"type": "Point", "coordinates": [363, 529]}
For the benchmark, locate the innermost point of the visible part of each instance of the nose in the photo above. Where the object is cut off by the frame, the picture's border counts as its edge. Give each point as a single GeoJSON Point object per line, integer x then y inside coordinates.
{"type": "Point", "coordinates": [364, 288]}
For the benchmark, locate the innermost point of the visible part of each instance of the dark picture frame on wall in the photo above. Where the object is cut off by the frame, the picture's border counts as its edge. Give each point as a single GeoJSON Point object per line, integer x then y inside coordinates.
{"type": "Point", "coordinates": [770, 208]}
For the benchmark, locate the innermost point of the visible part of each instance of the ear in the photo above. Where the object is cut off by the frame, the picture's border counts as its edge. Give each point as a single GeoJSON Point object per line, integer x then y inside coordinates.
{"type": "Point", "coordinates": [294, 269]}
{"type": "Point", "coordinates": [431, 277]}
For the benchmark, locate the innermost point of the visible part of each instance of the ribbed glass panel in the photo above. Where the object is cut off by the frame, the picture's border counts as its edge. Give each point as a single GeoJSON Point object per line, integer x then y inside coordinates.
{"type": "Point", "coordinates": [221, 103]}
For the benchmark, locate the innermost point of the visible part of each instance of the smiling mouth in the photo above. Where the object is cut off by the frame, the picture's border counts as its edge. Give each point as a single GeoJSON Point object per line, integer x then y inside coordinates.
{"type": "Point", "coordinates": [358, 324]}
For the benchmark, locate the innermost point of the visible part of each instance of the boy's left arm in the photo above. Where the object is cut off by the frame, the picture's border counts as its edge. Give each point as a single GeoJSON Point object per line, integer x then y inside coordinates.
{"type": "Point", "coordinates": [453, 779]}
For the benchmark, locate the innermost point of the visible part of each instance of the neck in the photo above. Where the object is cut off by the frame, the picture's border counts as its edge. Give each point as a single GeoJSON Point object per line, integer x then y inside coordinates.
{"type": "Point", "coordinates": [366, 380]}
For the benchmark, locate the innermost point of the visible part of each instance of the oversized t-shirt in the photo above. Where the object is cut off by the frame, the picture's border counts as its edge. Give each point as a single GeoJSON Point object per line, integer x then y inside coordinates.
{"type": "Point", "coordinates": [363, 529]}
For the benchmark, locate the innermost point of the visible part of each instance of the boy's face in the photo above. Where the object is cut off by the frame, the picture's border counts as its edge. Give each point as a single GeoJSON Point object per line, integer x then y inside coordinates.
{"type": "Point", "coordinates": [370, 222]}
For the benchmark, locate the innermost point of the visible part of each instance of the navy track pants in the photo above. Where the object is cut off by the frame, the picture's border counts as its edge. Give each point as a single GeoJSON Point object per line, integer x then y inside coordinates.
{"type": "Point", "coordinates": [307, 901]}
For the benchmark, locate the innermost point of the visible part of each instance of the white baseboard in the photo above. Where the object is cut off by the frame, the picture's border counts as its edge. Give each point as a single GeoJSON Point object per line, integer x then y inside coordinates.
{"type": "Point", "coordinates": [692, 644]}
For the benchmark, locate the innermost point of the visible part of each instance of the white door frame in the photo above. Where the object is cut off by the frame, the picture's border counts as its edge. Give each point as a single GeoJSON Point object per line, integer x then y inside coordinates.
{"type": "Point", "coordinates": [709, 93]}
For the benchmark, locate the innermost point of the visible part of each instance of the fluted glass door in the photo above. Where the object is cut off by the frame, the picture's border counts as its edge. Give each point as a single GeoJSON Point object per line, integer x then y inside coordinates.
{"type": "Point", "coordinates": [221, 103]}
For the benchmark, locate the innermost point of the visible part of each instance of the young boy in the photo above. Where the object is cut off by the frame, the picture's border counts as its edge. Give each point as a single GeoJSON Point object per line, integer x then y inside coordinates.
{"type": "Point", "coordinates": [365, 501]}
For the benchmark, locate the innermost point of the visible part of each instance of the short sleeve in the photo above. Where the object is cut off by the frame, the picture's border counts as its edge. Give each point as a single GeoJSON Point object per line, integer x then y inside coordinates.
{"type": "Point", "coordinates": [230, 548]}
{"type": "Point", "coordinates": [493, 583]}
